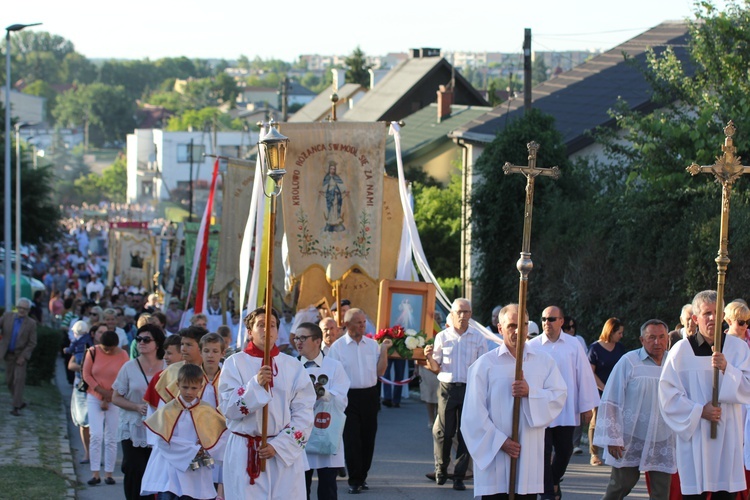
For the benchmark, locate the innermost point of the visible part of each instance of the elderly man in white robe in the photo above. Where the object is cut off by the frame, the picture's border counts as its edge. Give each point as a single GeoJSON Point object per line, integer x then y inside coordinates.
{"type": "Point", "coordinates": [629, 423]}
{"type": "Point", "coordinates": [487, 419]}
{"type": "Point", "coordinates": [685, 389]}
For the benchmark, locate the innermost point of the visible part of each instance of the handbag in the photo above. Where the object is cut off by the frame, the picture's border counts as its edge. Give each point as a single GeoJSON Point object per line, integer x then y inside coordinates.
{"type": "Point", "coordinates": [328, 427]}
{"type": "Point", "coordinates": [82, 385]}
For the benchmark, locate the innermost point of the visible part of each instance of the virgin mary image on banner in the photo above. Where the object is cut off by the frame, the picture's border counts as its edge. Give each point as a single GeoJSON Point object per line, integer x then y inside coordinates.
{"type": "Point", "coordinates": [334, 192]}
{"type": "Point", "coordinates": [333, 199]}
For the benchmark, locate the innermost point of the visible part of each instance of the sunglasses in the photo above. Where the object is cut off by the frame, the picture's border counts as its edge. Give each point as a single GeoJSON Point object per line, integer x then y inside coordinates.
{"type": "Point", "coordinates": [144, 340]}
{"type": "Point", "coordinates": [743, 322]}
{"type": "Point", "coordinates": [549, 319]}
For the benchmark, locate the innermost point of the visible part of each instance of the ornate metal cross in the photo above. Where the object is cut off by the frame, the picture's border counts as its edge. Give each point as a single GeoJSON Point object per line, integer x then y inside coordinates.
{"type": "Point", "coordinates": [524, 266]}
{"type": "Point", "coordinates": [727, 170]}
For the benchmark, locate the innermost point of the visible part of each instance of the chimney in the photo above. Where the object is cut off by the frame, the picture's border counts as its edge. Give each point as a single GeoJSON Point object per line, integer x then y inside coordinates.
{"type": "Point", "coordinates": [339, 76]}
{"type": "Point", "coordinates": [444, 101]}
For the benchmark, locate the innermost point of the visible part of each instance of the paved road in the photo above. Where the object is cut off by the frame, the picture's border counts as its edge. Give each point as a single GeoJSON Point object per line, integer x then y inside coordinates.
{"type": "Point", "coordinates": [403, 455]}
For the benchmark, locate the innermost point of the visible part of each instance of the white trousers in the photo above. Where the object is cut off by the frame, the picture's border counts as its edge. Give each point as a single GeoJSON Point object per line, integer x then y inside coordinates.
{"type": "Point", "coordinates": [103, 427]}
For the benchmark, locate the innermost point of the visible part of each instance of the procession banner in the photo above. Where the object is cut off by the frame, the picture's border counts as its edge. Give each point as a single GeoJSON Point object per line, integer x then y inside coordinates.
{"type": "Point", "coordinates": [333, 196]}
{"type": "Point", "coordinates": [238, 187]}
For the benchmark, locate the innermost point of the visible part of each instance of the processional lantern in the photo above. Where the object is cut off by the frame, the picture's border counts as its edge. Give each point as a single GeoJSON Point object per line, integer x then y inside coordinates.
{"type": "Point", "coordinates": [272, 147]}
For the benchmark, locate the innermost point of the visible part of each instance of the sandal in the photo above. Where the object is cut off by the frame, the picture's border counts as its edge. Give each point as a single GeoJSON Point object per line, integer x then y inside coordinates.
{"type": "Point", "coordinates": [595, 460]}
{"type": "Point", "coordinates": [558, 492]}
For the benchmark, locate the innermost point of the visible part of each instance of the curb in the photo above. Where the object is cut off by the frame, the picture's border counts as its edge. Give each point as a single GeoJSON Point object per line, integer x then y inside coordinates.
{"type": "Point", "coordinates": [68, 468]}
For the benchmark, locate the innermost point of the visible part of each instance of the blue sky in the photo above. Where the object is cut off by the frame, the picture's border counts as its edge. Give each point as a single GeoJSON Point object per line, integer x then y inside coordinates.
{"type": "Point", "coordinates": [229, 28]}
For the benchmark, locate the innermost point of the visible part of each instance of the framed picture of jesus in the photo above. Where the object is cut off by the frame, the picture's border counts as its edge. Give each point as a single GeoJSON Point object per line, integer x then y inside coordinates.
{"type": "Point", "coordinates": [410, 304]}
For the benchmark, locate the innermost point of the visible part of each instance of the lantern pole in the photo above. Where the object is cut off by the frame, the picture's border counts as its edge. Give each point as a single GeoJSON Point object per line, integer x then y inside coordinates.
{"type": "Point", "coordinates": [272, 150]}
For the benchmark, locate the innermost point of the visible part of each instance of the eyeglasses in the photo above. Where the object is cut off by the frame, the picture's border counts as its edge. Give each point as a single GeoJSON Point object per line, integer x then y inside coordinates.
{"type": "Point", "coordinates": [743, 322]}
{"type": "Point", "coordinates": [550, 319]}
{"type": "Point", "coordinates": [301, 338]}
{"type": "Point", "coordinates": [144, 340]}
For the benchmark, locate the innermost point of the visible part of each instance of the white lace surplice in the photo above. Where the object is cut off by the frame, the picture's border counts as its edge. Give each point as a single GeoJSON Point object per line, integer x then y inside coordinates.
{"type": "Point", "coordinates": [629, 416]}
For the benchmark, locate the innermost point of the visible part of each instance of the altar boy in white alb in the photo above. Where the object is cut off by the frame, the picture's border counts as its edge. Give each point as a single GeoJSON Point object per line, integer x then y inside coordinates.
{"type": "Point", "coordinates": [487, 418]}
{"type": "Point", "coordinates": [685, 390]}
{"type": "Point", "coordinates": [290, 401]}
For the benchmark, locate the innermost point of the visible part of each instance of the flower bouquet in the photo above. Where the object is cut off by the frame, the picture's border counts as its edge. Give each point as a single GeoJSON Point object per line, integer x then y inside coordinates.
{"type": "Point", "coordinates": [405, 342]}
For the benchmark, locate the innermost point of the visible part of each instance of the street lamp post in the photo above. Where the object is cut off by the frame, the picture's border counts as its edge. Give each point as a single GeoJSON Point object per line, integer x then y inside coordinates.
{"type": "Point", "coordinates": [12, 27]}
{"type": "Point", "coordinates": [18, 127]}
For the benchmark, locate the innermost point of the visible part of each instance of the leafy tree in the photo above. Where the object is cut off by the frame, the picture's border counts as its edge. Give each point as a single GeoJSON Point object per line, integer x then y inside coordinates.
{"type": "Point", "coordinates": [77, 69]}
{"type": "Point", "coordinates": [39, 213]}
{"type": "Point", "coordinates": [243, 62]}
{"type": "Point", "coordinates": [111, 185]}
{"type": "Point", "coordinates": [357, 68]}
{"type": "Point", "coordinates": [437, 212]}
{"type": "Point", "coordinates": [105, 112]}
{"type": "Point", "coordinates": [497, 205]}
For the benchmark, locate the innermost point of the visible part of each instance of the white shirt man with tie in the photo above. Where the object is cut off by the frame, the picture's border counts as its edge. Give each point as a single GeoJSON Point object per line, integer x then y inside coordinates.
{"type": "Point", "coordinates": [454, 350]}
{"type": "Point", "coordinates": [331, 384]}
{"type": "Point", "coordinates": [364, 361]}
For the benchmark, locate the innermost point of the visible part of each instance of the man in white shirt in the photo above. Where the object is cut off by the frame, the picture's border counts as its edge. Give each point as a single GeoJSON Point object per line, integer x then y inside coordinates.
{"type": "Point", "coordinates": [487, 423]}
{"type": "Point", "coordinates": [685, 391]}
{"type": "Point", "coordinates": [364, 361]}
{"type": "Point", "coordinates": [454, 350]}
{"type": "Point", "coordinates": [583, 397]}
{"type": "Point", "coordinates": [331, 385]}
{"type": "Point", "coordinates": [629, 423]}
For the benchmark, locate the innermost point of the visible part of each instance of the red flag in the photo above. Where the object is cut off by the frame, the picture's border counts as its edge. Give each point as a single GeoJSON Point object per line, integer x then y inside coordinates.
{"type": "Point", "coordinates": [200, 258]}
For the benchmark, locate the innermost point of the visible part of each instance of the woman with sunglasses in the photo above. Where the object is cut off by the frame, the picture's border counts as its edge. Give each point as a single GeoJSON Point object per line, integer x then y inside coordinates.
{"type": "Point", "coordinates": [737, 316]}
{"type": "Point", "coordinates": [128, 391]}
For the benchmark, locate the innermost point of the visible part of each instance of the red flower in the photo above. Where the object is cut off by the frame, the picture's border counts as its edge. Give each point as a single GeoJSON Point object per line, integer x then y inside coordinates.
{"type": "Point", "coordinates": [298, 435]}
{"type": "Point", "coordinates": [241, 391]}
{"type": "Point", "coordinates": [244, 410]}
{"type": "Point", "coordinates": [367, 228]}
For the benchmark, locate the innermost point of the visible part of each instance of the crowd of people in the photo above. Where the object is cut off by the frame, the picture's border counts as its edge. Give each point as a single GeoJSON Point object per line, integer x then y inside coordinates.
{"type": "Point", "coordinates": [185, 394]}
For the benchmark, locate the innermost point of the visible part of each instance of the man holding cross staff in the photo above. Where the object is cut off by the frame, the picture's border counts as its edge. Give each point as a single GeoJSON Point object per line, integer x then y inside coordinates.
{"type": "Point", "coordinates": [703, 386]}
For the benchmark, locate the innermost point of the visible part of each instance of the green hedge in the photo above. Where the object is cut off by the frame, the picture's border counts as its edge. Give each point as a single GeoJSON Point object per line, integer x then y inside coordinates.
{"type": "Point", "coordinates": [43, 359]}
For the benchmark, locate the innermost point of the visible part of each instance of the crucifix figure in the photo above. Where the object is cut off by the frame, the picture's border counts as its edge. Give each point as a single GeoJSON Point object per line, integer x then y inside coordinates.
{"type": "Point", "coordinates": [727, 169]}
{"type": "Point", "coordinates": [524, 266]}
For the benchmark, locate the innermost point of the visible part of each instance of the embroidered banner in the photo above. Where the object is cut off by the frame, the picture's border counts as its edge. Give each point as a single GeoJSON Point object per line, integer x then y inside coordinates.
{"type": "Point", "coordinates": [333, 196]}
{"type": "Point", "coordinates": [238, 188]}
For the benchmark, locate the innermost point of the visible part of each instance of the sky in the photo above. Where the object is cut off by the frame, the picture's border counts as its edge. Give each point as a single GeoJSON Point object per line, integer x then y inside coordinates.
{"type": "Point", "coordinates": [138, 29]}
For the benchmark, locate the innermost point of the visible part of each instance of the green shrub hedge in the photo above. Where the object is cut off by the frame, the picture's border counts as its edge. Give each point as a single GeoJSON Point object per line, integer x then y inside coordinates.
{"type": "Point", "coordinates": [42, 364]}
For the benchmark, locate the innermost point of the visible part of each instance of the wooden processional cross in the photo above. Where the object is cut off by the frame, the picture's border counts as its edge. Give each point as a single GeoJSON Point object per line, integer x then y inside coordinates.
{"type": "Point", "coordinates": [524, 266]}
{"type": "Point", "coordinates": [727, 170]}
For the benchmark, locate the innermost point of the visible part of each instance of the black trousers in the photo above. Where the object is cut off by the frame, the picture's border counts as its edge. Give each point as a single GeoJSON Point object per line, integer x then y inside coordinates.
{"type": "Point", "coordinates": [715, 495]}
{"type": "Point", "coordinates": [326, 483]}
{"type": "Point", "coordinates": [134, 461]}
{"type": "Point", "coordinates": [560, 439]}
{"type": "Point", "coordinates": [359, 432]}
{"type": "Point", "coordinates": [450, 405]}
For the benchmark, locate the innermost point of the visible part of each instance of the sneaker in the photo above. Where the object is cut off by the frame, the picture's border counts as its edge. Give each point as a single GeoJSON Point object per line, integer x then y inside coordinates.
{"type": "Point", "coordinates": [577, 451]}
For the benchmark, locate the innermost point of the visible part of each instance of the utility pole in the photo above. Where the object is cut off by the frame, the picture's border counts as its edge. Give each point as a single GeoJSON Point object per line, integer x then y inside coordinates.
{"type": "Point", "coordinates": [284, 99]}
{"type": "Point", "coordinates": [527, 70]}
{"type": "Point", "coordinates": [191, 180]}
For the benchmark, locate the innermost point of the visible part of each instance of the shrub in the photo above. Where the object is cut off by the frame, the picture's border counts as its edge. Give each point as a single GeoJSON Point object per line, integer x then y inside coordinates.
{"type": "Point", "coordinates": [42, 364]}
